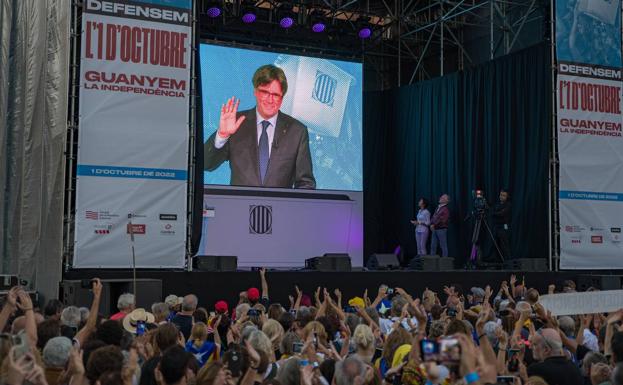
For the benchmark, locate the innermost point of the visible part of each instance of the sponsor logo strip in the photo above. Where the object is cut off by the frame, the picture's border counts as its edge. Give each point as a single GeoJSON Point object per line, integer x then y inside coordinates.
{"type": "Point", "coordinates": [131, 172]}
{"type": "Point", "coordinates": [591, 196]}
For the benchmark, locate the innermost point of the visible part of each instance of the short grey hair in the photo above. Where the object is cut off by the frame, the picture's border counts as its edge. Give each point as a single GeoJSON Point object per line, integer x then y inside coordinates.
{"type": "Point", "coordinates": [84, 314]}
{"type": "Point", "coordinates": [260, 342]}
{"type": "Point", "coordinates": [125, 301]}
{"type": "Point", "coordinates": [290, 373]}
{"type": "Point", "coordinates": [160, 309]}
{"type": "Point", "coordinates": [247, 331]}
{"type": "Point", "coordinates": [398, 302]}
{"type": "Point", "coordinates": [590, 359]}
{"type": "Point", "coordinates": [242, 309]}
{"type": "Point", "coordinates": [348, 370]}
{"type": "Point", "coordinates": [567, 325]}
{"type": "Point", "coordinates": [286, 343]}
{"type": "Point", "coordinates": [71, 317]}
{"type": "Point", "coordinates": [56, 352]}
{"type": "Point", "coordinates": [189, 303]}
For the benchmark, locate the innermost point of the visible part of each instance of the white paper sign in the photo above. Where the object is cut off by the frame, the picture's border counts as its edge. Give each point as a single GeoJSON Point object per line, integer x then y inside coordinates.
{"type": "Point", "coordinates": [583, 303]}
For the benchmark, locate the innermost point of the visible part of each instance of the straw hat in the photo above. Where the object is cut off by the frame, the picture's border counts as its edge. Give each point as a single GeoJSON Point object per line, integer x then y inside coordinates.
{"type": "Point", "coordinates": [130, 321]}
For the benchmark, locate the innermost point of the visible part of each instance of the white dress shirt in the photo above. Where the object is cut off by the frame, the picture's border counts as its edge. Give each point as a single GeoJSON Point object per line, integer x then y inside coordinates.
{"type": "Point", "coordinates": [219, 142]}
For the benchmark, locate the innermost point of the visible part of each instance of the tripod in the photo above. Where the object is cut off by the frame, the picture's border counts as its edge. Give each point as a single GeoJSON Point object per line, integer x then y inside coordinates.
{"type": "Point", "coordinates": [480, 217]}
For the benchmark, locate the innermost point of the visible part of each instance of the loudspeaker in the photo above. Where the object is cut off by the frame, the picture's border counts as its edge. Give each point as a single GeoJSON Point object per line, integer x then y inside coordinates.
{"type": "Point", "coordinates": [601, 282]}
{"type": "Point", "coordinates": [148, 291]}
{"type": "Point", "coordinates": [431, 263]}
{"type": "Point", "coordinates": [526, 264]}
{"type": "Point", "coordinates": [383, 262]}
{"type": "Point", "coordinates": [215, 263]}
{"type": "Point", "coordinates": [329, 262]}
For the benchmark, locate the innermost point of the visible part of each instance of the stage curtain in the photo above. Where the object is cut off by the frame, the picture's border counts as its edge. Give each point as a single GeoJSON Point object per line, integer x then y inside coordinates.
{"type": "Point", "coordinates": [485, 128]}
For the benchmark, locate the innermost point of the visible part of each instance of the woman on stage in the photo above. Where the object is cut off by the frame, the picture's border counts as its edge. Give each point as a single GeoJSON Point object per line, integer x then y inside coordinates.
{"type": "Point", "coordinates": [421, 223]}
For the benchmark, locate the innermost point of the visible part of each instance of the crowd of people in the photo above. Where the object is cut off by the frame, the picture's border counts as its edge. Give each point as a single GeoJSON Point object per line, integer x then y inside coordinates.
{"type": "Point", "coordinates": [457, 336]}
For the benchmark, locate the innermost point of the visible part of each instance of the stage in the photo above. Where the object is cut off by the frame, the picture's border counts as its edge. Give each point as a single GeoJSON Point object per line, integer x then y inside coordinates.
{"type": "Point", "coordinates": [213, 286]}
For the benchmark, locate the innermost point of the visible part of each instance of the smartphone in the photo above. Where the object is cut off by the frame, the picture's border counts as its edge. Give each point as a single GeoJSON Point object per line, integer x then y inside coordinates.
{"type": "Point", "coordinates": [449, 351]}
{"type": "Point", "coordinates": [140, 328]}
{"type": "Point", "coordinates": [212, 314]}
{"type": "Point", "coordinates": [350, 309]}
{"type": "Point", "coordinates": [303, 363]}
{"type": "Point", "coordinates": [22, 345]}
{"type": "Point", "coordinates": [506, 380]}
{"type": "Point", "coordinates": [234, 363]}
{"type": "Point", "coordinates": [315, 340]}
{"type": "Point", "coordinates": [452, 313]}
{"type": "Point", "coordinates": [429, 350]}
{"type": "Point", "coordinates": [390, 291]}
{"type": "Point", "coordinates": [297, 347]}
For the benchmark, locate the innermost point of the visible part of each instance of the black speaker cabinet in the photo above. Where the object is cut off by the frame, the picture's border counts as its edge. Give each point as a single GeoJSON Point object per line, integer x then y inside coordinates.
{"type": "Point", "coordinates": [329, 262]}
{"type": "Point", "coordinates": [383, 262]}
{"type": "Point", "coordinates": [431, 263]}
{"type": "Point", "coordinates": [216, 263]}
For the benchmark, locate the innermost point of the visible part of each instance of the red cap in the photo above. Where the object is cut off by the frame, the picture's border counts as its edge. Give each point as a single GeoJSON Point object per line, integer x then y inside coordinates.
{"type": "Point", "coordinates": [253, 294]}
{"type": "Point", "coordinates": [306, 300]}
{"type": "Point", "coordinates": [221, 307]}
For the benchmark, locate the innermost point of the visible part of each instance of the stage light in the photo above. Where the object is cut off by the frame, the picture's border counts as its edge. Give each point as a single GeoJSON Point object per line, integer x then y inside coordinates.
{"type": "Point", "coordinates": [365, 32]}
{"type": "Point", "coordinates": [286, 21]}
{"type": "Point", "coordinates": [364, 28]}
{"type": "Point", "coordinates": [249, 16]}
{"type": "Point", "coordinates": [317, 21]}
{"type": "Point", "coordinates": [248, 12]}
{"type": "Point", "coordinates": [286, 16]}
{"type": "Point", "coordinates": [214, 9]}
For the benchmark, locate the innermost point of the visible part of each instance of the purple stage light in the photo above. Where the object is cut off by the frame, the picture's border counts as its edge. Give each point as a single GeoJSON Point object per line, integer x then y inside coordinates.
{"type": "Point", "coordinates": [318, 27]}
{"type": "Point", "coordinates": [249, 17]}
{"type": "Point", "coordinates": [214, 12]}
{"type": "Point", "coordinates": [286, 22]}
{"type": "Point", "coordinates": [365, 32]}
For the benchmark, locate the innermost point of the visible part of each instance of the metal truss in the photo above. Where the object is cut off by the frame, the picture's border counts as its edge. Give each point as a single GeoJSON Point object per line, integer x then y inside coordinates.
{"type": "Point", "coordinates": [414, 40]}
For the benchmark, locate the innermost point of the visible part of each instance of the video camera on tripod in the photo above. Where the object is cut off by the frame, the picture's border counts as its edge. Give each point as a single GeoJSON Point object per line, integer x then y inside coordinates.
{"type": "Point", "coordinates": [480, 203]}
{"type": "Point", "coordinates": [479, 214]}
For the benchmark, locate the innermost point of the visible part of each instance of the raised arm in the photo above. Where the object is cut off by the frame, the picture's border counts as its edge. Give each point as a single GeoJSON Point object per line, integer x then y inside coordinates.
{"type": "Point", "coordinates": [264, 283]}
{"type": "Point", "coordinates": [90, 325]}
{"type": "Point", "coordinates": [10, 304]}
{"type": "Point", "coordinates": [379, 297]}
{"type": "Point", "coordinates": [25, 304]}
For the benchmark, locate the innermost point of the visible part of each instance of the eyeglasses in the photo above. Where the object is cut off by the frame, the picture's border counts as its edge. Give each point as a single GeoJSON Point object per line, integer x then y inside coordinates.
{"type": "Point", "coordinates": [266, 94]}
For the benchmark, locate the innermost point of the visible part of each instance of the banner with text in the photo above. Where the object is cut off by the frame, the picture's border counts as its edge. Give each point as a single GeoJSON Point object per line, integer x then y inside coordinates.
{"type": "Point", "coordinates": [133, 138]}
{"type": "Point", "coordinates": [590, 136]}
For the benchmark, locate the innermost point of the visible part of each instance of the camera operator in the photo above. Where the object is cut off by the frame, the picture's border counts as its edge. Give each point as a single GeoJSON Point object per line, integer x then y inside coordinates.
{"type": "Point", "coordinates": [502, 220]}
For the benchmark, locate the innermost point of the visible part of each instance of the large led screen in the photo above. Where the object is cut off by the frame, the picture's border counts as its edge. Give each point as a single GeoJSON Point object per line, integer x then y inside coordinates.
{"type": "Point", "coordinates": [281, 121]}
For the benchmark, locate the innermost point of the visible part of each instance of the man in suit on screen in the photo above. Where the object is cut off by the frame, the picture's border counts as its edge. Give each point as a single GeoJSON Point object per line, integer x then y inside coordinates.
{"type": "Point", "coordinates": [264, 146]}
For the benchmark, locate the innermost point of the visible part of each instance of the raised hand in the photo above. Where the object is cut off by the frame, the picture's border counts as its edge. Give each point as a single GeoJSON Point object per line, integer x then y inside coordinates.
{"type": "Point", "coordinates": [24, 301]}
{"type": "Point", "coordinates": [513, 280]}
{"type": "Point", "coordinates": [11, 298]}
{"type": "Point", "coordinates": [97, 287]}
{"type": "Point", "coordinates": [228, 124]}
{"type": "Point", "coordinates": [338, 293]}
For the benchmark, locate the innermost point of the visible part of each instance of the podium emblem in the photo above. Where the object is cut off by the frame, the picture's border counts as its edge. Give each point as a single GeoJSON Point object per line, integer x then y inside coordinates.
{"type": "Point", "coordinates": [260, 219]}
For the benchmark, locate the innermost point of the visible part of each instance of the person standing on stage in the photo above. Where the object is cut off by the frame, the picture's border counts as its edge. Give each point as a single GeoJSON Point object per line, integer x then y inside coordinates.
{"type": "Point", "coordinates": [421, 222]}
{"type": "Point", "coordinates": [502, 223]}
{"type": "Point", "coordinates": [439, 226]}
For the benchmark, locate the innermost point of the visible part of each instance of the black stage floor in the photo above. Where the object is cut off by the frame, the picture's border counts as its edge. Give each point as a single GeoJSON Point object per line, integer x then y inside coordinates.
{"type": "Point", "coordinates": [213, 286]}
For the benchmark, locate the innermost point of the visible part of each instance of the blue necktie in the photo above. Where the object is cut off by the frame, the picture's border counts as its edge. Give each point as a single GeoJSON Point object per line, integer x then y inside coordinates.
{"type": "Point", "coordinates": [264, 154]}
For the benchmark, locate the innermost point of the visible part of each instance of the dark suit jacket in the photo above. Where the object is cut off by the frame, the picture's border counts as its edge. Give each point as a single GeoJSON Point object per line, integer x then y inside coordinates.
{"type": "Point", "coordinates": [290, 160]}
